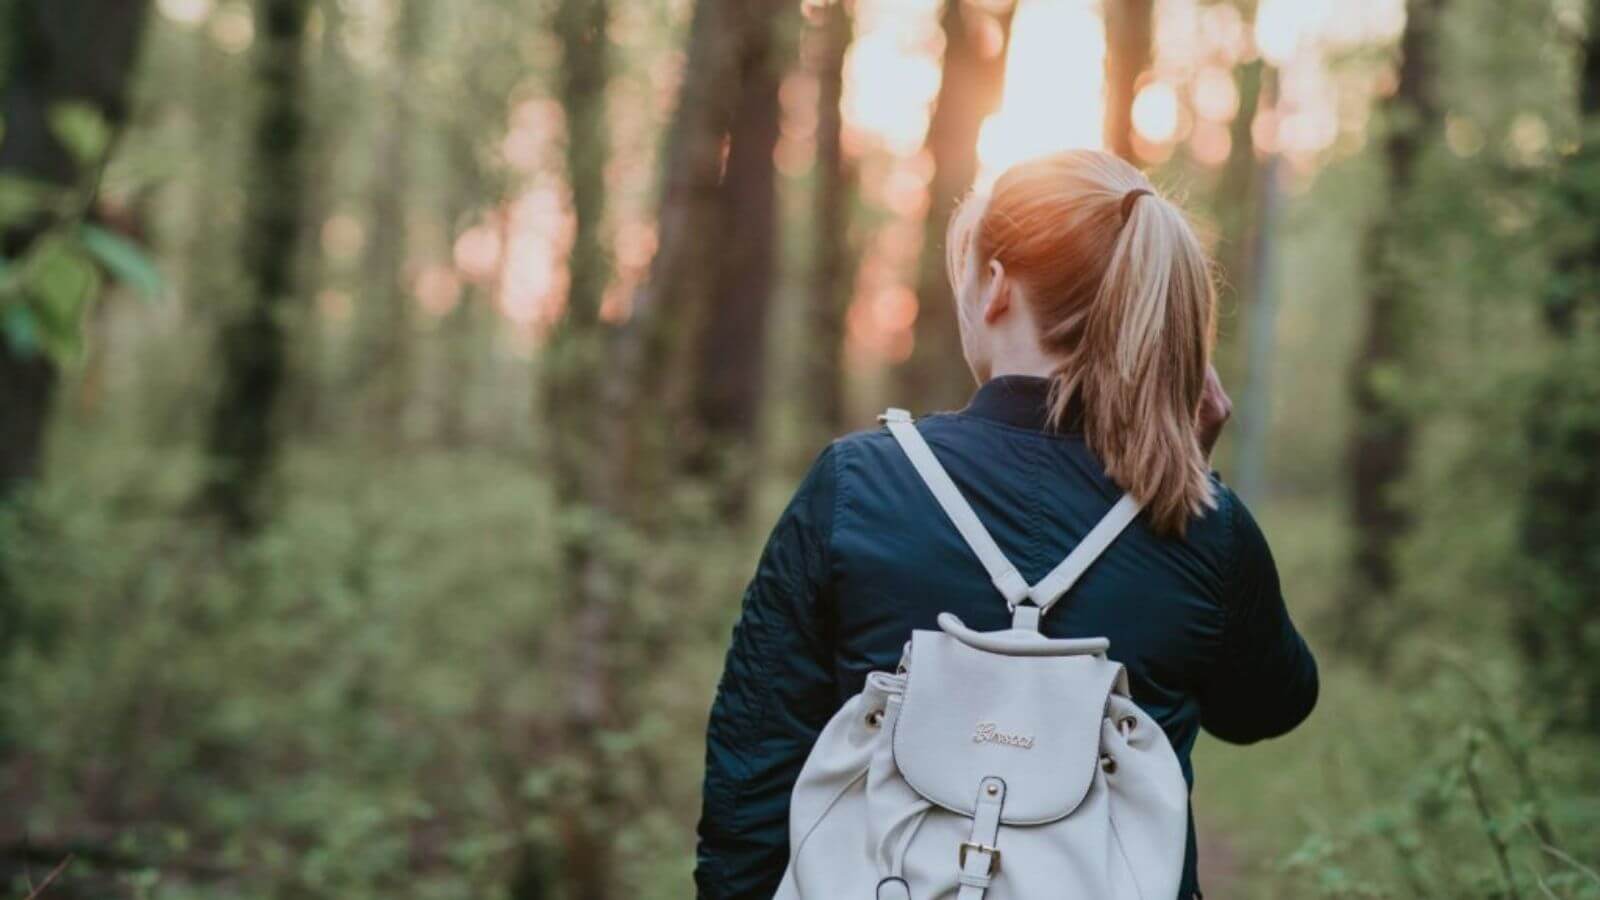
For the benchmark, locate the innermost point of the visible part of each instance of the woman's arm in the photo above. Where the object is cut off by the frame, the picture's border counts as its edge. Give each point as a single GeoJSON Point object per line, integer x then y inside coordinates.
{"type": "Point", "coordinates": [1264, 682]}
{"type": "Point", "coordinates": [775, 696]}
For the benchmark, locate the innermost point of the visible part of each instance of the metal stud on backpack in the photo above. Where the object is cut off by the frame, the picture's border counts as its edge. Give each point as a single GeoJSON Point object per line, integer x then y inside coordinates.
{"type": "Point", "coordinates": [1001, 765]}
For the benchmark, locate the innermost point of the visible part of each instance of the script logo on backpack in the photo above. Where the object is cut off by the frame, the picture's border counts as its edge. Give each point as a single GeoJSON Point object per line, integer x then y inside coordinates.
{"type": "Point", "coordinates": [990, 733]}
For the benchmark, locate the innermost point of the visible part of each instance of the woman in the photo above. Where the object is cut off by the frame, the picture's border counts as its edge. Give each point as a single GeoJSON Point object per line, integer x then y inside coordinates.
{"type": "Point", "coordinates": [1087, 314]}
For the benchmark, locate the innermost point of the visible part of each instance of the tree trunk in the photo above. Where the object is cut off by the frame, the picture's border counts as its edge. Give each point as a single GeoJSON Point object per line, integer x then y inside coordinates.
{"type": "Point", "coordinates": [652, 357]}
{"type": "Point", "coordinates": [1561, 506]}
{"type": "Point", "coordinates": [244, 435]}
{"type": "Point", "coordinates": [1383, 432]}
{"type": "Point", "coordinates": [575, 362]}
{"type": "Point", "coordinates": [1129, 29]}
{"type": "Point", "coordinates": [1261, 312]}
{"type": "Point", "coordinates": [833, 266]}
{"type": "Point", "coordinates": [386, 363]}
{"type": "Point", "coordinates": [333, 101]}
{"type": "Point", "coordinates": [1246, 196]}
{"type": "Point", "coordinates": [974, 77]}
{"type": "Point", "coordinates": [731, 356]}
{"type": "Point", "coordinates": [462, 331]}
{"type": "Point", "coordinates": [1239, 187]}
{"type": "Point", "coordinates": [65, 51]}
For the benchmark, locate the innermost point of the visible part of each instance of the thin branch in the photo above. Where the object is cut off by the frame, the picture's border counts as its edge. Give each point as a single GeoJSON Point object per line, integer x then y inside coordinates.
{"type": "Point", "coordinates": [1543, 887]}
{"type": "Point", "coordinates": [1502, 852]}
{"type": "Point", "coordinates": [1521, 763]}
{"type": "Point", "coordinates": [54, 873]}
{"type": "Point", "coordinates": [1567, 858]}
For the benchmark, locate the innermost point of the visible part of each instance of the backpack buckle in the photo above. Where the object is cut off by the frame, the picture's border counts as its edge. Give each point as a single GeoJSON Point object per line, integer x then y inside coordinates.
{"type": "Point", "coordinates": [992, 852]}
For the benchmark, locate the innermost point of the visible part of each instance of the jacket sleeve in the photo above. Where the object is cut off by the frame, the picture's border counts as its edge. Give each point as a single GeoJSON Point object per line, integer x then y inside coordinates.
{"type": "Point", "coordinates": [775, 696]}
{"type": "Point", "coordinates": [1264, 681]}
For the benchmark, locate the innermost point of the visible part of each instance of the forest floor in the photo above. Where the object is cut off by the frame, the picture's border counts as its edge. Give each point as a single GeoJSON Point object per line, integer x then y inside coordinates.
{"type": "Point", "coordinates": [1219, 861]}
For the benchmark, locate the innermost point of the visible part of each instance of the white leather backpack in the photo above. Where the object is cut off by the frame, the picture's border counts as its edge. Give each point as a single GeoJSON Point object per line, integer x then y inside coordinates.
{"type": "Point", "coordinates": [1002, 764]}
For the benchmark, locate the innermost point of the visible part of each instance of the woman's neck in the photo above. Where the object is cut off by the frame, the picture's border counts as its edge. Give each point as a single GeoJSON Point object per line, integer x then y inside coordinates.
{"type": "Point", "coordinates": [1037, 365]}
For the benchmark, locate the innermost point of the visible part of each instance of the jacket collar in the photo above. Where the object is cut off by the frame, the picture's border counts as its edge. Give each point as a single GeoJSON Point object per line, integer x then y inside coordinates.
{"type": "Point", "coordinates": [1021, 401]}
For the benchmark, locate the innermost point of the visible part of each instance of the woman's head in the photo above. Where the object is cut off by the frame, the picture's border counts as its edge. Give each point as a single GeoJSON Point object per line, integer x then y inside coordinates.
{"type": "Point", "coordinates": [1076, 259]}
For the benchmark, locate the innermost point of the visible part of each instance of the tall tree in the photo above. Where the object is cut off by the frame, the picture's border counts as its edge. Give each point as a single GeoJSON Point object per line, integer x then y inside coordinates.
{"type": "Point", "coordinates": [833, 263]}
{"type": "Point", "coordinates": [1238, 189]}
{"type": "Point", "coordinates": [1129, 29]}
{"type": "Point", "coordinates": [1248, 200]}
{"type": "Point", "coordinates": [334, 103]}
{"type": "Point", "coordinates": [1561, 505]}
{"type": "Point", "coordinates": [976, 38]}
{"type": "Point", "coordinates": [386, 365]}
{"type": "Point", "coordinates": [574, 362]}
{"type": "Point", "coordinates": [58, 52]}
{"type": "Point", "coordinates": [462, 331]}
{"type": "Point", "coordinates": [244, 435]}
{"type": "Point", "coordinates": [1383, 431]}
{"type": "Point", "coordinates": [652, 362]}
{"type": "Point", "coordinates": [729, 364]}
{"type": "Point", "coordinates": [1261, 338]}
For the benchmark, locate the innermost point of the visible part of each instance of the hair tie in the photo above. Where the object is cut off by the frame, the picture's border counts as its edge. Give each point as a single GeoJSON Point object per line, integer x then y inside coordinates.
{"type": "Point", "coordinates": [1129, 199]}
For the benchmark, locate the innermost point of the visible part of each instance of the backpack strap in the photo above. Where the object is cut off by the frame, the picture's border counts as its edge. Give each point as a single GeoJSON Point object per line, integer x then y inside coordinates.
{"type": "Point", "coordinates": [1005, 576]}
{"type": "Point", "coordinates": [1061, 579]}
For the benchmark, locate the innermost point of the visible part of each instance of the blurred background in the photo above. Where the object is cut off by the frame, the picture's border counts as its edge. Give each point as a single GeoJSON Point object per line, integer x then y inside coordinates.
{"type": "Point", "coordinates": [394, 395]}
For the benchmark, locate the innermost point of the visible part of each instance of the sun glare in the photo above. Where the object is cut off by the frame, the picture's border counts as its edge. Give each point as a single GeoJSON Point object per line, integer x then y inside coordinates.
{"type": "Point", "coordinates": [890, 75]}
{"type": "Point", "coordinates": [1155, 112]}
{"type": "Point", "coordinates": [187, 13]}
{"type": "Point", "coordinates": [1286, 28]}
{"type": "Point", "coordinates": [1054, 97]}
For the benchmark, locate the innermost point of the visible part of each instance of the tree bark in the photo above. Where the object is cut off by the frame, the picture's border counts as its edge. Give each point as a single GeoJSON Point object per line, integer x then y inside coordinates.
{"type": "Point", "coordinates": [1246, 198]}
{"type": "Point", "coordinates": [1383, 432]}
{"type": "Point", "coordinates": [1238, 189]}
{"type": "Point", "coordinates": [1129, 30]}
{"type": "Point", "coordinates": [652, 356]}
{"type": "Point", "coordinates": [1561, 505]}
{"type": "Point", "coordinates": [730, 370]}
{"type": "Point", "coordinates": [63, 51]}
{"type": "Point", "coordinates": [1261, 314]}
{"type": "Point", "coordinates": [833, 268]}
{"type": "Point", "coordinates": [387, 367]}
{"type": "Point", "coordinates": [974, 78]}
{"type": "Point", "coordinates": [244, 434]}
{"type": "Point", "coordinates": [575, 362]}
{"type": "Point", "coordinates": [462, 331]}
{"type": "Point", "coordinates": [333, 101]}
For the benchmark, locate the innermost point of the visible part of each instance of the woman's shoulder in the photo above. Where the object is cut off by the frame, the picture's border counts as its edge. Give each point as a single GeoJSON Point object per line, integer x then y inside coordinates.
{"type": "Point", "coordinates": [875, 446]}
{"type": "Point", "coordinates": [1227, 533]}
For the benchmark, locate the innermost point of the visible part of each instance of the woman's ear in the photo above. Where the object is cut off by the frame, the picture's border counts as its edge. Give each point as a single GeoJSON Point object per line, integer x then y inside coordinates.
{"type": "Point", "coordinates": [997, 294]}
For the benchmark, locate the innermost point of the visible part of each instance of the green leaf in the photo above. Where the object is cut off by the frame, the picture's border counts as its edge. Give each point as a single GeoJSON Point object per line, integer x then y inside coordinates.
{"type": "Point", "coordinates": [61, 282]}
{"type": "Point", "coordinates": [21, 199]}
{"type": "Point", "coordinates": [20, 330]}
{"type": "Point", "coordinates": [125, 261]}
{"type": "Point", "coordinates": [83, 129]}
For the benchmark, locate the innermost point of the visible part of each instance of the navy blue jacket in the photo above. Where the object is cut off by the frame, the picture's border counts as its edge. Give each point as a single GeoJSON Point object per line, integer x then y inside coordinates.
{"type": "Point", "coordinates": [863, 555]}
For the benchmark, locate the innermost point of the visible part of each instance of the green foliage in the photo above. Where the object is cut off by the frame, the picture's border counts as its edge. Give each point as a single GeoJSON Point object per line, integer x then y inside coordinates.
{"type": "Point", "coordinates": [23, 199]}
{"type": "Point", "coordinates": [124, 261]}
{"type": "Point", "coordinates": [1559, 613]}
{"type": "Point", "coordinates": [83, 130]}
{"type": "Point", "coordinates": [45, 295]}
{"type": "Point", "coordinates": [49, 292]}
{"type": "Point", "coordinates": [359, 703]}
{"type": "Point", "coordinates": [1455, 786]}
{"type": "Point", "coordinates": [46, 292]}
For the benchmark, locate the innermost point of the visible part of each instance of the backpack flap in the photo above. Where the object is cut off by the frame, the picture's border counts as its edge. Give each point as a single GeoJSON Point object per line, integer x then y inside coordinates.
{"type": "Point", "coordinates": [1030, 720]}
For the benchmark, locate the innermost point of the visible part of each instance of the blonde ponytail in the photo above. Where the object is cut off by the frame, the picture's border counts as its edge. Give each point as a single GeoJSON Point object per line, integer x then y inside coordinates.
{"type": "Point", "coordinates": [1122, 289]}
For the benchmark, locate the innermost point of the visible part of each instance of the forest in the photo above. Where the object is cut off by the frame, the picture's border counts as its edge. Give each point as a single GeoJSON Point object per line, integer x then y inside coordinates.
{"type": "Point", "coordinates": [395, 396]}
